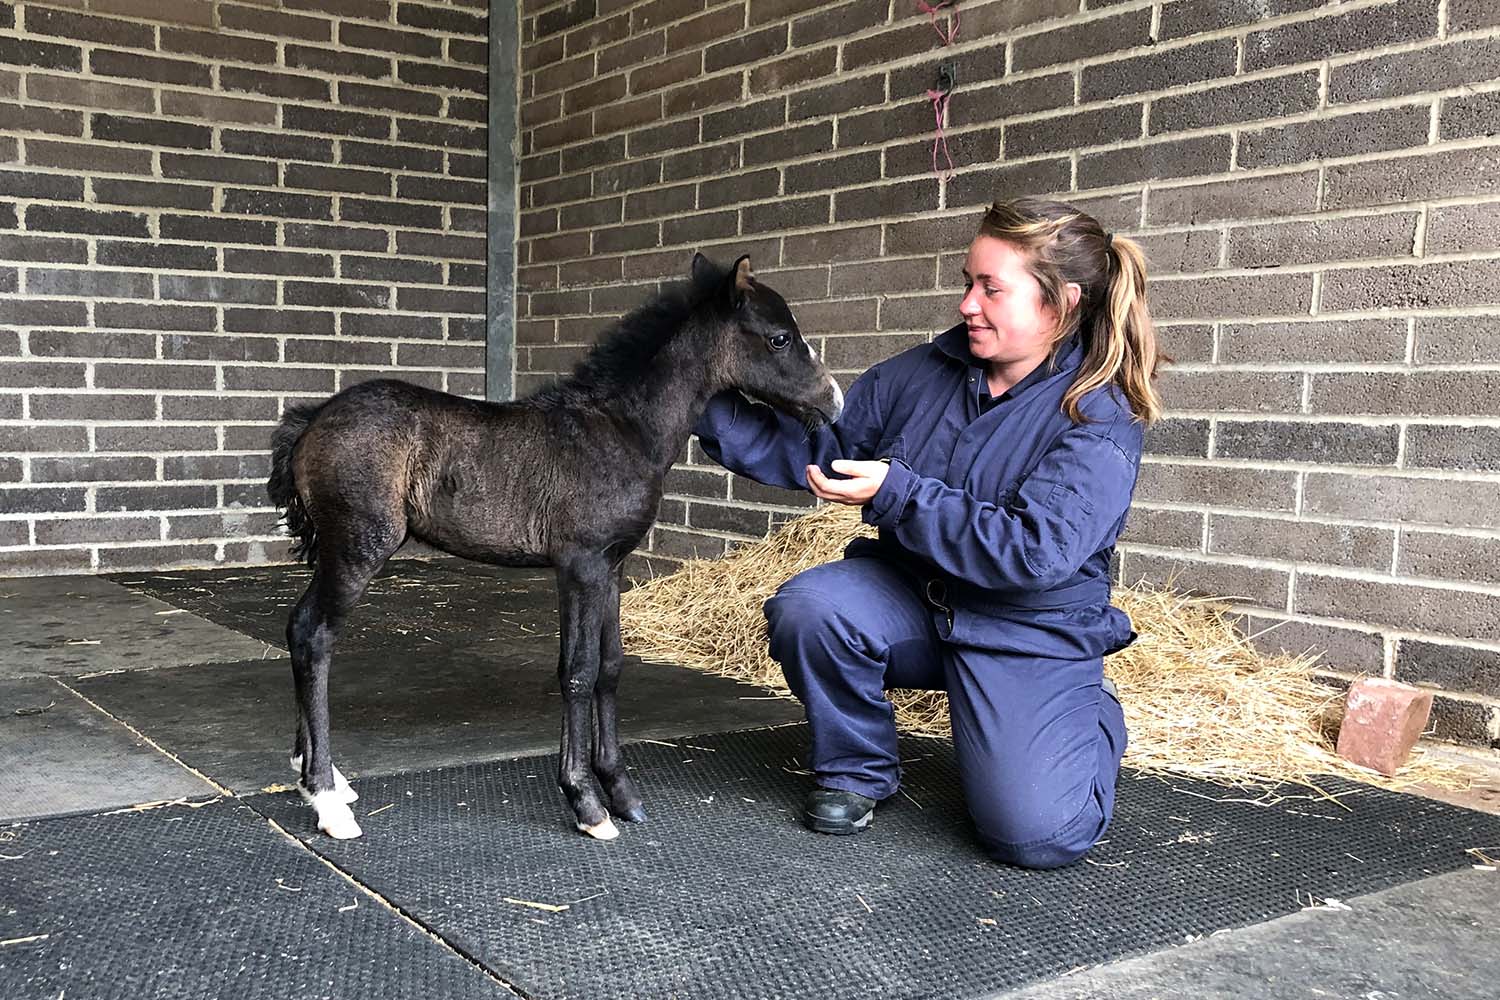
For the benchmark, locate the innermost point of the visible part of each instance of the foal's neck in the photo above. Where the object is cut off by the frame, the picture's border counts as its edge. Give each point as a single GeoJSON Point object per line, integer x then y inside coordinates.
{"type": "Point", "coordinates": [670, 396]}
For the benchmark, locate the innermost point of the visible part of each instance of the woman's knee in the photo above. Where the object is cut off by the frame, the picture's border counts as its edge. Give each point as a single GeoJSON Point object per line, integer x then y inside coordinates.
{"type": "Point", "coordinates": [1035, 832]}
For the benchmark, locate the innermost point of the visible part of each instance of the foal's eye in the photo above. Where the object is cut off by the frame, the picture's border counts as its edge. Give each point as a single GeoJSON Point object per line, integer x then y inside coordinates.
{"type": "Point", "coordinates": [780, 341]}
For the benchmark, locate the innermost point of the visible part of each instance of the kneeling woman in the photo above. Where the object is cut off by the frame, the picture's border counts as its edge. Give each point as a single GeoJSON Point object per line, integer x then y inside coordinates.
{"type": "Point", "coordinates": [998, 462]}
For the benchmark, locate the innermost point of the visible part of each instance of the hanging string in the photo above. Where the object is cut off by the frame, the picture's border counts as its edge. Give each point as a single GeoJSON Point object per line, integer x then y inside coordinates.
{"type": "Point", "coordinates": [931, 10]}
{"type": "Point", "coordinates": [939, 99]}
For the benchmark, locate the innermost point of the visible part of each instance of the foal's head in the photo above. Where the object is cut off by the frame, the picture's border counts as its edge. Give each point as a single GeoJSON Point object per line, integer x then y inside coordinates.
{"type": "Point", "coordinates": [760, 351]}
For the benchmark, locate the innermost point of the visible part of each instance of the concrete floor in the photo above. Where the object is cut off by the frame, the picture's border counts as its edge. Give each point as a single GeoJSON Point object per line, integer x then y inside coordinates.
{"type": "Point", "coordinates": [114, 695]}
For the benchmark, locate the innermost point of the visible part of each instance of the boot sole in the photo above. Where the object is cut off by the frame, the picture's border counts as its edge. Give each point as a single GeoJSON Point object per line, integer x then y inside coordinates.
{"type": "Point", "coordinates": [838, 829]}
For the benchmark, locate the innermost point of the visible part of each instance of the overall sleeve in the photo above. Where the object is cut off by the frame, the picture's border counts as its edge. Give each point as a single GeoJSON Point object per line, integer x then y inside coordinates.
{"type": "Point", "coordinates": [754, 440]}
{"type": "Point", "coordinates": [1066, 509]}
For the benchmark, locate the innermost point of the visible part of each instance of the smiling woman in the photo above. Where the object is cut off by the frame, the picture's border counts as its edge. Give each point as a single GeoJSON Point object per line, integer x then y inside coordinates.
{"type": "Point", "coordinates": [998, 463]}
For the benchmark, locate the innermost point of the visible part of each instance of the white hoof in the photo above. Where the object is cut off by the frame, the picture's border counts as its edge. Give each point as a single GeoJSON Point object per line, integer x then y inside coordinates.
{"type": "Point", "coordinates": [601, 831]}
{"type": "Point", "coordinates": [340, 783]}
{"type": "Point", "coordinates": [335, 818]}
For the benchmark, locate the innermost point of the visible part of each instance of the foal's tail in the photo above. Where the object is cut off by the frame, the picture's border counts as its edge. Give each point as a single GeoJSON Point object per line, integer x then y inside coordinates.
{"type": "Point", "coordinates": [282, 485]}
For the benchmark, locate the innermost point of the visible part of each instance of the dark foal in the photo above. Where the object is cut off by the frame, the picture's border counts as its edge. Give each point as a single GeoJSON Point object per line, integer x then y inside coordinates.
{"type": "Point", "coordinates": [569, 477]}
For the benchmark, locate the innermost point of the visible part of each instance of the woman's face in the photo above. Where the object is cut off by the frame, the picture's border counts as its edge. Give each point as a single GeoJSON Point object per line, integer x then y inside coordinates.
{"type": "Point", "coordinates": [1007, 319]}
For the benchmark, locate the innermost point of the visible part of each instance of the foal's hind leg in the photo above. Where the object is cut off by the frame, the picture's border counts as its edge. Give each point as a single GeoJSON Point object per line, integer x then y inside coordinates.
{"type": "Point", "coordinates": [609, 767]}
{"type": "Point", "coordinates": [582, 589]}
{"type": "Point", "coordinates": [343, 574]}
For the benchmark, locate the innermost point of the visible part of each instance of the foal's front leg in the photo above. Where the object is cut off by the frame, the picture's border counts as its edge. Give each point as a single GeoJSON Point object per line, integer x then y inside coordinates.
{"type": "Point", "coordinates": [582, 587]}
{"type": "Point", "coordinates": [609, 767]}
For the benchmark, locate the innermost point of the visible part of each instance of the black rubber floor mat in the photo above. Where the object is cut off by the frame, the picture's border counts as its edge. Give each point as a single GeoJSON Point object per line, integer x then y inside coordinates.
{"type": "Point", "coordinates": [59, 755]}
{"type": "Point", "coordinates": [400, 710]}
{"type": "Point", "coordinates": [204, 903]}
{"type": "Point", "coordinates": [411, 604]}
{"type": "Point", "coordinates": [724, 894]}
{"type": "Point", "coordinates": [82, 624]}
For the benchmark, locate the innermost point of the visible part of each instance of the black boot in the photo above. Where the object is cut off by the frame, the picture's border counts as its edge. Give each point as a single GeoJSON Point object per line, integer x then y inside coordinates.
{"type": "Point", "coordinates": [829, 810]}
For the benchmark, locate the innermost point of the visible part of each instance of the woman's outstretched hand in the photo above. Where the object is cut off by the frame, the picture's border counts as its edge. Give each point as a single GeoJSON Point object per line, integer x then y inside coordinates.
{"type": "Point", "coordinates": [864, 484]}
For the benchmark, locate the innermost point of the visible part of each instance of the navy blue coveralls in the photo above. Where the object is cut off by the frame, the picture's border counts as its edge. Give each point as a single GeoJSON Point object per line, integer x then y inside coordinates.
{"type": "Point", "coordinates": [989, 580]}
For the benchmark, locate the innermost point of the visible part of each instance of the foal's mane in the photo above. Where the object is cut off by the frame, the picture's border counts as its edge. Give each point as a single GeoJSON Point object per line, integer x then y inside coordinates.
{"type": "Point", "coordinates": [628, 350]}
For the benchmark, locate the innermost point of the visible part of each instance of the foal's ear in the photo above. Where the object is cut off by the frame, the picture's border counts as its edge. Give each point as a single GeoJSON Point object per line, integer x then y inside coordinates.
{"type": "Point", "coordinates": [703, 271]}
{"type": "Point", "coordinates": [744, 276]}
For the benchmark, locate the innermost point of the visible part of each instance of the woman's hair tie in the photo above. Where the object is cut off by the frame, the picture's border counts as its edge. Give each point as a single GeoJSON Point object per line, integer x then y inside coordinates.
{"type": "Point", "coordinates": [1109, 240]}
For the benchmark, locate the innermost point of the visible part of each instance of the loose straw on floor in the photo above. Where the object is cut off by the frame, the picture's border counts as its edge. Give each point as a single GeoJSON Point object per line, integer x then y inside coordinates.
{"type": "Point", "coordinates": [1199, 699]}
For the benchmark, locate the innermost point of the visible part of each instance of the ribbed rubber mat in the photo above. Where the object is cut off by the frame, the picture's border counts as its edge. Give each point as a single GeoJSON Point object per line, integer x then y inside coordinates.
{"type": "Point", "coordinates": [205, 903]}
{"type": "Point", "coordinates": [724, 894]}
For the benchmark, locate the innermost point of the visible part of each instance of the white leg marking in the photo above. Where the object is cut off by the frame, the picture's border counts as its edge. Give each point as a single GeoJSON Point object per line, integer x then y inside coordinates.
{"type": "Point", "coordinates": [340, 783]}
{"type": "Point", "coordinates": [335, 818]}
{"type": "Point", "coordinates": [601, 831]}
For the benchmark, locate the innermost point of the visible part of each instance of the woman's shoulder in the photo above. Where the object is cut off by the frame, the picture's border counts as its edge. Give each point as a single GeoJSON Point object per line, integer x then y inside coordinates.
{"type": "Point", "coordinates": [1107, 414]}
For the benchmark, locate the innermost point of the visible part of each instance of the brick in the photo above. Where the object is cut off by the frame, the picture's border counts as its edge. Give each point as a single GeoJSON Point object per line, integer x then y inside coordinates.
{"type": "Point", "coordinates": [981, 187]}
{"type": "Point", "coordinates": [701, 162]}
{"type": "Point", "coordinates": [1186, 250]}
{"type": "Point", "coordinates": [244, 201]}
{"type": "Point", "coordinates": [93, 468]}
{"type": "Point", "coordinates": [1381, 723]}
{"type": "Point", "coordinates": [1307, 441]}
{"type": "Point", "coordinates": [1372, 340]}
{"type": "Point", "coordinates": [339, 61]}
{"type": "Point", "coordinates": [80, 530]}
{"type": "Point", "coordinates": [1206, 154]}
{"type": "Point", "coordinates": [1182, 529]}
{"type": "Point", "coordinates": [1445, 447]}
{"type": "Point", "coordinates": [90, 283]}
{"type": "Point", "coordinates": [833, 98]}
{"type": "Point", "coordinates": [313, 380]}
{"type": "Point", "coordinates": [146, 131]}
{"type": "Point", "coordinates": [45, 55]}
{"type": "Point", "coordinates": [1234, 583]}
{"type": "Point", "coordinates": [1158, 71]}
{"type": "Point", "coordinates": [731, 190]}
{"type": "Point", "coordinates": [173, 11]}
{"type": "Point", "coordinates": [701, 94]}
{"type": "Point", "coordinates": [91, 344]}
{"type": "Point", "coordinates": [757, 117]}
{"type": "Point", "coordinates": [440, 300]}
{"type": "Point", "coordinates": [1192, 17]}
{"type": "Point", "coordinates": [82, 156]}
{"type": "Point", "coordinates": [1246, 392]}
{"type": "Point", "coordinates": [44, 249]}
{"type": "Point", "coordinates": [282, 146]}
{"type": "Point", "coordinates": [1450, 667]}
{"type": "Point", "coordinates": [442, 19]}
{"type": "Point", "coordinates": [1100, 126]}
{"type": "Point", "coordinates": [692, 229]}
{"type": "Point", "coordinates": [1185, 342]}
{"type": "Point", "coordinates": [281, 321]}
{"type": "Point", "coordinates": [1434, 501]}
{"type": "Point", "coordinates": [736, 520]}
{"type": "Point", "coordinates": [1433, 67]}
{"type": "Point", "coordinates": [348, 123]}
{"type": "Point", "coordinates": [157, 255]}
{"type": "Point", "coordinates": [827, 245]}
{"type": "Point", "coordinates": [46, 438]}
{"type": "Point", "coordinates": [833, 171]}
{"type": "Point", "coordinates": [448, 77]}
{"type": "Point", "coordinates": [837, 22]}
{"type": "Point", "coordinates": [132, 498]}
{"type": "Point", "coordinates": [882, 201]}
{"type": "Point", "coordinates": [18, 118]}
{"type": "Point", "coordinates": [1417, 177]}
{"type": "Point", "coordinates": [858, 353]}
{"type": "Point", "coordinates": [223, 169]}
{"type": "Point", "coordinates": [1253, 489]}
{"type": "Point", "coordinates": [150, 317]}
{"type": "Point", "coordinates": [1449, 557]}
{"type": "Point", "coordinates": [153, 376]}
{"type": "Point", "coordinates": [439, 134]}
{"type": "Point", "coordinates": [186, 347]}
{"type": "Point", "coordinates": [216, 229]}
{"type": "Point", "coordinates": [1461, 228]}
{"type": "Point", "coordinates": [1302, 542]}
{"type": "Point", "coordinates": [1178, 436]}
{"type": "Point", "coordinates": [132, 66]}
{"type": "Point", "coordinates": [45, 500]}
{"type": "Point", "coordinates": [394, 213]}
{"type": "Point", "coordinates": [1423, 286]}
{"type": "Point", "coordinates": [1315, 39]}
{"type": "Point", "coordinates": [1339, 135]}
{"type": "Point", "coordinates": [93, 94]}
{"type": "Point", "coordinates": [1320, 240]}
{"type": "Point", "coordinates": [1231, 297]}
{"type": "Point", "coordinates": [668, 201]}
{"type": "Point", "coordinates": [370, 37]}
{"type": "Point", "coordinates": [799, 68]}
{"type": "Point", "coordinates": [1469, 117]}
{"type": "Point", "coordinates": [1293, 93]}
{"type": "Point", "coordinates": [39, 312]}
{"type": "Point", "coordinates": [1459, 393]}
{"type": "Point", "coordinates": [336, 295]}
{"type": "Point", "coordinates": [755, 47]}
{"type": "Point", "coordinates": [706, 28]}
{"type": "Point", "coordinates": [1082, 41]}
{"type": "Point", "coordinates": [569, 15]}
{"type": "Point", "coordinates": [924, 313]}
{"type": "Point", "coordinates": [389, 155]}
{"type": "Point", "coordinates": [366, 95]}
{"type": "Point", "coordinates": [392, 269]}
{"type": "Point", "coordinates": [275, 23]}
{"type": "Point", "coordinates": [218, 47]}
{"type": "Point", "coordinates": [1246, 198]}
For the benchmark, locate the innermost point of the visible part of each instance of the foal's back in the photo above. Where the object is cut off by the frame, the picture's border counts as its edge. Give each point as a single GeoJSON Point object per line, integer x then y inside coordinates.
{"type": "Point", "coordinates": [512, 483]}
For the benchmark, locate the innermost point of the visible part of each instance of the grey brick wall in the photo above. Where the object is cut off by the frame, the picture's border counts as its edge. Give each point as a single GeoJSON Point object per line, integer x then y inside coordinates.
{"type": "Point", "coordinates": [209, 209]}
{"type": "Point", "coordinates": [1315, 184]}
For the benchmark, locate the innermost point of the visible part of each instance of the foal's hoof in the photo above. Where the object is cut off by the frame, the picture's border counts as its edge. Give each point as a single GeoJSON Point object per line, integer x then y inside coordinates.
{"type": "Point", "coordinates": [335, 818]}
{"type": "Point", "coordinates": [347, 795]}
{"type": "Point", "coordinates": [632, 814]}
{"type": "Point", "coordinates": [604, 830]}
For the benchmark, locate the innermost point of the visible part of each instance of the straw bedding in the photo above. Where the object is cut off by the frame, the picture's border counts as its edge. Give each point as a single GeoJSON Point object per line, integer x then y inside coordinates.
{"type": "Point", "coordinates": [1199, 699]}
